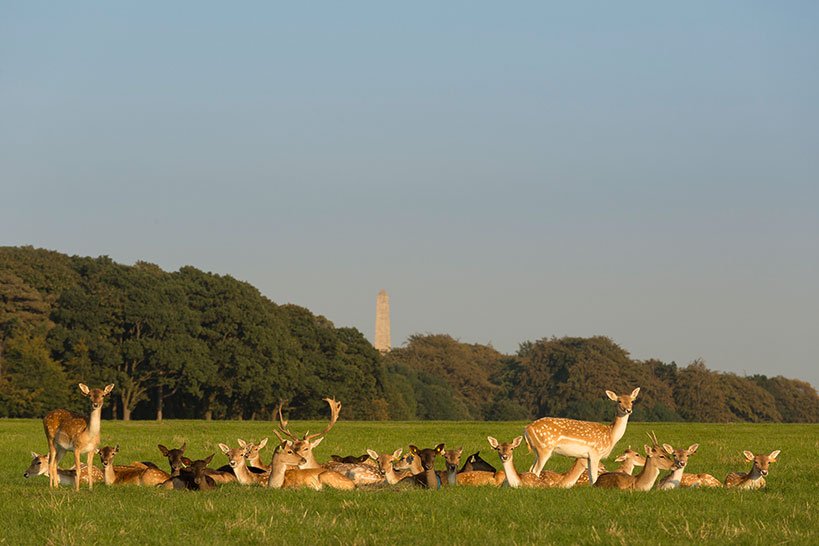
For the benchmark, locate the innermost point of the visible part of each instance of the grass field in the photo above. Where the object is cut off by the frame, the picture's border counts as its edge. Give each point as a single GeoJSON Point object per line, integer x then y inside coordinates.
{"type": "Point", "coordinates": [785, 512]}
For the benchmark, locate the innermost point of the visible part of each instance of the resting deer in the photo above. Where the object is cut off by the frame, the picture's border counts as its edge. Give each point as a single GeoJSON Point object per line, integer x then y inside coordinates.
{"type": "Point", "coordinates": [304, 446]}
{"type": "Point", "coordinates": [194, 477]}
{"type": "Point", "coordinates": [178, 462]}
{"type": "Point", "coordinates": [236, 459]}
{"type": "Point", "coordinates": [135, 474]}
{"type": "Point", "coordinates": [512, 477]}
{"type": "Point", "coordinates": [578, 474]}
{"type": "Point", "coordinates": [475, 463]}
{"type": "Point", "coordinates": [579, 439]}
{"type": "Point", "coordinates": [628, 460]}
{"type": "Point", "coordinates": [672, 481]}
{"type": "Point", "coordinates": [385, 465]}
{"type": "Point", "coordinates": [39, 467]}
{"type": "Point", "coordinates": [426, 458]}
{"type": "Point", "coordinates": [68, 431]}
{"type": "Point", "coordinates": [350, 459]}
{"type": "Point", "coordinates": [699, 480]}
{"type": "Point", "coordinates": [452, 458]}
{"type": "Point", "coordinates": [254, 460]}
{"type": "Point", "coordinates": [284, 472]}
{"type": "Point", "coordinates": [755, 479]}
{"type": "Point", "coordinates": [657, 459]}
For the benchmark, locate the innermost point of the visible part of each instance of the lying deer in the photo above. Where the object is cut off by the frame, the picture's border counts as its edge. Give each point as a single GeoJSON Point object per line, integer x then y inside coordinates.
{"type": "Point", "coordinates": [134, 474]}
{"type": "Point", "coordinates": [628, 460]}
{"type": "Point", "coordinates": [585, 440]}
{"type": "Point", "coordinates": [68, 431]}
{"type": "Point", "coordinates": [657, 459]}
{"type": "Point", "coordinates": [475, 463]}
{"type": "Point", "coordinates": [452, 459]}
{"type": "Point", "coordinates": [304, 446]}
{"type": "Point", "coordinates": [285, 472]}
{"type": "Point", "coordinates": [755, 479]}
{"type": "Point", "coordinates": [236, 460]}
{"type": "Point", "coordinates": [350, 459]}
{"type": "Point", "coordinates": [385, 465]}
{"type": "Point", "coordinates": [194, 477]}
{"type": "Point", "coordinates": [254, 460]}
{"type": "Point", "coordinates": [178, 462]}
{"type": "Point", "coordinates": [578, 474]}
{"type": "Point", "coordinates": [672, 481]}
{"type": "Point", "coordinates": [512, 477]}
{"type": "Point", "coordinates": [39, 467]}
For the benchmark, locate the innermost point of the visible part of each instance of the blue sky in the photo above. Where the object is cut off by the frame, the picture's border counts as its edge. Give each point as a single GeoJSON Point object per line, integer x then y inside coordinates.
{"type": "Point", "coordinates": [506, 171]}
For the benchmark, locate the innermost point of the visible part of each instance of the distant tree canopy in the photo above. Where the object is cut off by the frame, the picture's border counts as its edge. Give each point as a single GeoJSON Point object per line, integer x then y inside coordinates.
{"type": "Point", "coordinates": [191, 344]}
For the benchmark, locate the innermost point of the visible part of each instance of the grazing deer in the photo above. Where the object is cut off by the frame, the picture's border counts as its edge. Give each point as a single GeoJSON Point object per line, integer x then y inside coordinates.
{"type": "Point", "coordinates": [39, 467]}
{"type": "Point", "coordinates": [236, 459]}
{"type": "Point", "coordinates": [194, 477]}
{"type": "Point", "coordinates": [506, 454]}
{"type": "Point", "coordinates": [657, 459]}
{"type": "Point", "coordinates": [304, 446]}
{"type": "Point", "coordinates": [68, 431]}
{"type": "Point", "coordinates": [579, 439]}
{"type": "Point", "coordinates": [135, 474]}
{"type": "Point", "coordinates": [475, 462]}
{"type": "Point", "coordinates": [755, 479]}
{"type": "Point", "coordinates": [283, 476]}
{"type": "Point", "coordinates": [672, 481]}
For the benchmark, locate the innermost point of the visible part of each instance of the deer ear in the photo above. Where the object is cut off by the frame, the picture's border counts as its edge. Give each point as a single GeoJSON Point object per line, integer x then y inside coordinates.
{"type": "Point", "coordinates": [647, 449]}
{"type": "Point", "coordinates": [620, 459]}
{"type": "Point", "coordinates": [693, 448]}
{"type": "Point", "coordinates": [373, 455]}
{"type": "Point", "coordinates": [439, 448]}
{"type": "Point", "coordinates": [668, 449]}
{"type": "Point", "coordinates": [184, 445]}
{"type": "Point", "coordinates": [263, 443]}
{"type": "Point", "coordinates": [397, 453]}
{"type": "Point", "coordinates": [316, 442]}
{"type": "Point", "coordinates": [748, 455]}
{"type": "Point", "coordinates": [225, 449]}
{"type": "Point", "coordinates": [516, 442]}
{"type": "Point", "coordinates": [460, 451]}
{"type": "Point", "coordinates": [634, 393]}
{"type": "Point", "coordinates": [242, 443]}
{"type": "Point", "coordinates": [34, 455]}
{"type": "Point", "coordinates": [413, 449]}
{"type": "Point", "coordinates": [611, 395]}
{"type": "Point", "coordinates": [107, 390]}
{"type": "Point", "coordinates": [492, 442]}
{"type": "Point", "coordinates": [84, 388]}
{"type": "Point", "coordinates": [162, 449]}
{"type": "Point", "coordinates": [774, 455]}
{"type": "Point", "coordinates": [116, 449]}
{"type": "Point", "coordinates": [96, 450]}
{"type": "Point", "coordinates": [209, 459]}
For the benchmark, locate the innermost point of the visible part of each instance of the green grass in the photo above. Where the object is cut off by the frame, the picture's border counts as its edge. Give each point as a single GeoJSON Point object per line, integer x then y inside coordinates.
{"type": "Point", "coordinates": [785, 512]}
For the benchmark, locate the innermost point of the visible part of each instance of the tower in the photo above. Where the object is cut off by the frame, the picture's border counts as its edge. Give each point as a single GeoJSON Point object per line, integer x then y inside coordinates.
{"type": "Point", "coordinates": [382, 322]}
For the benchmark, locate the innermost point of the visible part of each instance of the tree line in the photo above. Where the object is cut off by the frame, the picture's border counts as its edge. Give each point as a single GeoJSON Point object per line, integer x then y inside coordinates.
{"type": "Point", "coordinates": [193, 344]}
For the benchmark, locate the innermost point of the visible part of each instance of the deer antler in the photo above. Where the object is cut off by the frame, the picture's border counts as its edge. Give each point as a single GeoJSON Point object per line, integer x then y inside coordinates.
{"type": "Point", "coordinates": [653, 438]}
{"type": "Point", "coordinates": [283, 425]}
{"type": "Point", "coordinates": [335, 409]}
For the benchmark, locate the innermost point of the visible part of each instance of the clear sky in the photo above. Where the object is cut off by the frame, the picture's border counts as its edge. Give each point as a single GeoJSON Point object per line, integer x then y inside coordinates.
{"type": "Point", "coordinates": [507, 171]}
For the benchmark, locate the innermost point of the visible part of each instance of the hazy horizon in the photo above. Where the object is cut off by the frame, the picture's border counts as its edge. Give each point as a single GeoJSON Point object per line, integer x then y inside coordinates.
{"type": "Point", "coordinates": [507, 173]}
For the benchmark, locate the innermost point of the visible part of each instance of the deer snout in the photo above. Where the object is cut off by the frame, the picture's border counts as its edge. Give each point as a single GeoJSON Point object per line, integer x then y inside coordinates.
{"type": "Point", "coordinates": [763, 472]}
{"type": "Point", "coordinates": [25, 474]}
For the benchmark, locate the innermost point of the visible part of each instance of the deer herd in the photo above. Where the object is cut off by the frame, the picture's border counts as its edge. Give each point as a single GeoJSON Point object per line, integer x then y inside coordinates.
{"type": "Point", "coordinates": [293, 464]}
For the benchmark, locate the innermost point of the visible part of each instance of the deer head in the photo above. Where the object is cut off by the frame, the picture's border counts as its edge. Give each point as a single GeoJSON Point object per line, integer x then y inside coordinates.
{"type": "Point", "coordinates": [38, 466]}
{"type": "Point", "coordinates": [624, 402]}
{"type": "Point", "coordinates": [427, 455]}
{"type": "Point", "coordinates": [385, 461]}
{"type": "Point", "coordinates": [175, 457]}
{"type": "Point", "coordinates": [235, 456]}
{"type": "Point", "coordinates": [761, 462]}
{"type": "Point", "coordinates": [97, 396]}
{"type": "Point", "coordinates": [304, 446]}
{"type": "Point", "coordinates": [658, 455]}
{"type": "Point", "coordinates": [680, 456]}
{"type": "Point", "coordinates": [198, 469]}
{"type": "Point", "coordinates": [504, 450]}
{"type": "Point", "coordinates": [452, 458]}
{"type": "Point", "coordinates": [287, 455]}
{"type": "Point", "coordinates": [633, 456]}
{"type": "Point", "coordinates": [107, 454]}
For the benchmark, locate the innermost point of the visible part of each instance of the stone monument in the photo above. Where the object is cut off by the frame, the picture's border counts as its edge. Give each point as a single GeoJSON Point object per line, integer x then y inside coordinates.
{"type": "Point", "coordinates": [382, 322]}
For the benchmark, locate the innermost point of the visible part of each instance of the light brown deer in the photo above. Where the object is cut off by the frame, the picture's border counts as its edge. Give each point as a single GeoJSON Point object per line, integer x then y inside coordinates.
{"type": "Point", "coordinates": [285, 472]}
{"type": "Point", "coordinates": [578, 474]}
{"type": "Point", "coordinates": [39, 467]}
{"type": "Point", "coordinates": [699, 480]}
{"type": "Point", "coordinates": [304, 446]}
{"type": "Point", "coordinates": [134, 474]}
{"type": "Point", "coordinates": [252, 454]}
{"type": "Point", "coordinates": [628, 460]}
{"type": "Point", "coordinates": [579, 439]}
{"type": "Point", "coordinates": [672, 481]}
{"type": "Point", "coordinates": [385, 465]}
{"type": "Point", "coordinates": [68, 431]}
{"type": "Point", "coordinates": [512, 477]}
{"type": "Point", "coordinates": [236, 459]}
{"type": "Point", "coordinates": [657, 459]}
{"type": "Point", "coordinates": [755, 479]}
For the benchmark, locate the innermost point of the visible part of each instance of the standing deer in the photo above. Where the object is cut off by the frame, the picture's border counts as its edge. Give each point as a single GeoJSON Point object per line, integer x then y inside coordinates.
{"type": "Point", "coordinates": [68, 431]}
{"type": "Point", "coordinates": [39, 467]}
{"type": "Point", "coordinates": [755, 479]}
{"type": "Point", "coordinates": [135, 474]}
{"type": "Point", "coordinates": [282, 476]}
{"type": "Point", "coordinates": [579, 439]}
{"type": "Point", "coordinates": [304, 446]}
{"type": "Point", "coordinates": [673, 480]}
{"type": "Point", "coordinates": [657, 458]}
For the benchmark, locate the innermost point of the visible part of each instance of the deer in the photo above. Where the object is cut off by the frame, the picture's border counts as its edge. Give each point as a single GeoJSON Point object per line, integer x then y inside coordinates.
{"type": "Point", "coordinates": [628, 460]}
{"type": "Point", "coordinates": [178, 462]}
{"type": "Point", "coordinates": [579, 439]}
{"type": "Point", "coordinates": [68, 431]}
{"type": "Point", "coordinates": [452, 459]}
{"type": "Point", "coordinates": [282, 476]}
{"type": "Point", "coordinates": [384, 464]}
{"type": "Point", "coordinates": [135, 474]}
{"type": "Point", "coordinates": [699, 480]}
{"type": "Point", "coordinates": [254, 460]}
{"type": "Point", "coordinates": [236, 459]}
{"type": "Point", "coordinates": [39, 467]}
{"type": "Point", "coordinates": [350, 459]}
{"type": "Point", "coordinates": [304, 446]}
{"type": "Point", "coordinates": [755, 479]}
{"type": "Point", "coordinates": [577, 475]}
{"type": "Point", "coordinates": [673, 480]}
{"type": "Point", "coordinates": [194, 477]}
{"type": "Point", "coordinates": [512, 477]}
{"type": "Point", "coordinates": [475, 462]}
{"type": "Point", "coordinates": [657, 458]}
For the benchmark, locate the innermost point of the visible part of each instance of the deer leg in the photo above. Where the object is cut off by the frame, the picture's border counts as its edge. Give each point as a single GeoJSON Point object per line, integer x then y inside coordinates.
{"type": "Point", "coordinates": [541, 456]}
{"type": "Point", "coordinates": [77, 469]}
{"type": "Point", "coordinates": [52, 464]}
{"type": "Point", "coordinates": [594, 463]}
{"type": "Point", "coordinates": [90, 474]}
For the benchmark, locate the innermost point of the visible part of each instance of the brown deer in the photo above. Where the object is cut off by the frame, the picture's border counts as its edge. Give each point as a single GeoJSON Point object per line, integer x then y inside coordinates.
{"type": "Point", "coordinates": [236, 459]}
{"type": "Point", "coordinates": [426, 458]}
{"type": "Point", "coordinates": [672, 481]}
{"type": "Point", "coordinates": [68, 431]}
{"type": "Point", "coordinates": [475, 462]}
{"type": "Point", "coordinates": [657, 458]}
{"type": "Point", "coordinates": [755, 479]}
{"type": "Point", "coordinates": [579, 439]}
{"type": "Point", "coordinates": [385, 465]}
{"type": "Point", "coordinates": [628, 460]}
{"type": "Point", "coordinates": [39, 467]}
{"type": "Point", "coordinates": [254, 460]}
{"type": "Point", "coordinates": [194, 477]}
{"type": "Point", "coordinates": [512, 477]}
{"type": "Point", "coordinates": [135, 474]}
{"type": "Point", "coordinates": [578, 474]}
{"type": "Point", "coordinates": [178, 462]}
{"type": "Point", "coordinates": [285, 472]}
{"type": "Point", "coordinates": [452, 459]}
{"type": "Point", "coordinates": [304, 446]}
{"type": "Point", "coordinates": [699, 480]}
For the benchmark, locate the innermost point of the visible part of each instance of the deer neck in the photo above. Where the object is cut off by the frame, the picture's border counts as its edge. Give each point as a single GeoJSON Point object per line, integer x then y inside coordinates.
{"type": "Point", "coordinates": [753, 475]}
{"type": "Point", "coordinates": [391, 477]}
{"type": "Point", "coordinates": [416, 467]}
{"type": "Point", "coordinates": [673, 479]}
{"type": "Point", "coordinates": [618, 428]}
{"type": "Point", "coordinates": [243, 475]}
{"type": "Point", "coordinates": [452, 476]}
{"type": "Point", "coordinates": [108, 475]}
{"type": "Point", "coordinates": [311, 461]}
{"type": "Point", "coordinates": [512, 475]}
{"type": "Point", "coordinates": [431, 478]}
{"type": "Point", "coordinates": [626, 466]}
{"type": "Point", "coordinates": [277, 471]}
{"type": "Point", "coordinates": [94, 422]}
{"type": "Point", "coordinates": [645, 479]}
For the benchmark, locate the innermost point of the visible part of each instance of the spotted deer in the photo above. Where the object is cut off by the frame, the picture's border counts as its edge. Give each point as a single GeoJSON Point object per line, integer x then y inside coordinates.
{"type": "Point", "coordinates": [672, 481]}
{"type": "Point", "coordinates": [385, 465]}
{"type": "Point", "coordinates": [68, 431]}
{"type": "Point", "coordinates": [657, 458]}
{"type": "Point", "coordinates": [304, 446]}
{"type": "Point", "coordinates": [755, 479]}
{"type": "Point", "coordinates": [39, 467]}
{"type": "Point", "coordinates": [699, 480]}
{"type": "Point", "coordinates": [286, 473]}
{"type": "Point", "coordinates": [578, 474]}
{"type": "Point", "coordinates": [512, 477]}
{"type": "Point", "coordinates": [134, 474]}
{"type": "Point", "coordinates": [579, 439]}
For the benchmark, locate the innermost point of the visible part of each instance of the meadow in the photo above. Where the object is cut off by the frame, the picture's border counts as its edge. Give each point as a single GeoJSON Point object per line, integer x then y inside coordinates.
{"type": "Point", "coordinates": [785, 512]}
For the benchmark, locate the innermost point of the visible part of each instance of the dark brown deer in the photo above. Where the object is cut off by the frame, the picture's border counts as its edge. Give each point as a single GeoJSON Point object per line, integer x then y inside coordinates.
{"type": "Point", "coordinates": [475, 463]}
{"type": "Point", "coordinates": [68, 431]}
{"type": "Point", "coordinates": [193, 477]}
{"type": "Point", "coordinates": [351, 459]}
{"type": "Point", "coordinates": [428, 477]}
{"type": "Point", "coordinates": [178, 462]}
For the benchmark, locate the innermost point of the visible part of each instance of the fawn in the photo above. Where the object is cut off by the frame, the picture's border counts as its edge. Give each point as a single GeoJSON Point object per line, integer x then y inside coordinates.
{"type": "Point", "coordinates": [755, 479]}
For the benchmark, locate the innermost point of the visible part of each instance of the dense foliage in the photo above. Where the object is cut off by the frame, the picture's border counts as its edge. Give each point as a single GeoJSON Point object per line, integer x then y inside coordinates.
{"type": "Point", "coordinates": [191, 344]}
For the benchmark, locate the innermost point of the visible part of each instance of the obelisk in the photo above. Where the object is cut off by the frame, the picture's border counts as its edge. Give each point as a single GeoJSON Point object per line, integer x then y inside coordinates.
{"type": "Point", "coordinates": [382, 322]}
